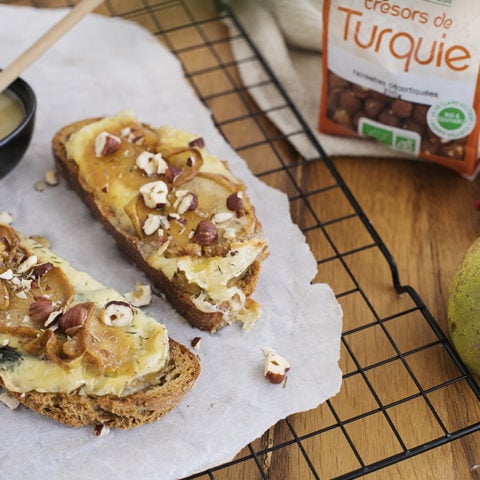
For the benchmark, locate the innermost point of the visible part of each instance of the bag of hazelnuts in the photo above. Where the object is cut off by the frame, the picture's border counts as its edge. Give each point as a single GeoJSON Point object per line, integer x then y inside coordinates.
{"type": "Point", "coordinates": [404, 73]}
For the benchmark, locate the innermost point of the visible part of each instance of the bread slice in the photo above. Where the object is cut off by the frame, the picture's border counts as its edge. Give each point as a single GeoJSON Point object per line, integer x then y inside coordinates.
{"type": "Point", "coordinates": [171, 383]}
{"type": "Point", "coordinates": [77, 351]}
{"type": "Point", "coordinates": [174, 208]}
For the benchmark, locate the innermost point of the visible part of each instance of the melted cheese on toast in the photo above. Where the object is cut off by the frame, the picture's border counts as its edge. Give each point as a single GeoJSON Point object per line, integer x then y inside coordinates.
{"type": "Point", "coordinates": [142, 344]}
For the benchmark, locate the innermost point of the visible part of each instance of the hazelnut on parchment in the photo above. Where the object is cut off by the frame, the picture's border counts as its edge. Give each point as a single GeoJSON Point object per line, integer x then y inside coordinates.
{"type": "Point", "coordinates": [6, 218]}
{"type": "Point", "coordinates": [275, 366]}
{"type": "Point", "coordinates": [141, 296]}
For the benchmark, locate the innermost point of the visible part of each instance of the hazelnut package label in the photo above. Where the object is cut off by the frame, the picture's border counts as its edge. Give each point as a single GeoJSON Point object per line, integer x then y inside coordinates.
{"type": "Point", "coordinates": [404, 74]}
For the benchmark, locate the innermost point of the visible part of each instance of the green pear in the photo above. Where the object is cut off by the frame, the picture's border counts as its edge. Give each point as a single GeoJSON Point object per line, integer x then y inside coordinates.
{"type": "Point", "coordinates": [463, 308]}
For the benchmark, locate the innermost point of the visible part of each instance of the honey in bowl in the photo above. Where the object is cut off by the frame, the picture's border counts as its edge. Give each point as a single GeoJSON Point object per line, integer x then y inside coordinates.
{"type": "Point", "coordinates": [11, 113]}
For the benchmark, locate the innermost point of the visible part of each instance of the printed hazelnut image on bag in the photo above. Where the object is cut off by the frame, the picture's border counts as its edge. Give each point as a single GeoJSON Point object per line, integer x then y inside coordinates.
{"type": "Point", "coordinates": [404, 74]}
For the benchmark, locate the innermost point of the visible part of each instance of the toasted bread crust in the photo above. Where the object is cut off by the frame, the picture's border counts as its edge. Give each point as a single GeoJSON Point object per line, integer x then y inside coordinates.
{"type": "Point", "coordinates": [209, 321]}
{"type": "Point", "coordinates": [172, 383]}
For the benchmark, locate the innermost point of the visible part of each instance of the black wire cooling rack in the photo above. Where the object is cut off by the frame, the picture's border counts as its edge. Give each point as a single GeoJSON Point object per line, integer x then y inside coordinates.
{"type": "Point", "coordinates": [376, 344]}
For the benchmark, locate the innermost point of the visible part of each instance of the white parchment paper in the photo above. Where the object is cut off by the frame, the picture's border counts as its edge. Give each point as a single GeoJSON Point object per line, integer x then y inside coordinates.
{"type": "Point", "coordinates": [101, 67]}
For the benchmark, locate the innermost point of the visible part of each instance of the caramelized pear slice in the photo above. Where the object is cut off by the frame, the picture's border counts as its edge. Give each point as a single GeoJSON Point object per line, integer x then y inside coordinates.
{"type": "Point", "coordinates": [58, 347]}
{"type": "Point", "coordinates": [20, 331]}
{"type": "Point", "coordinates": [107, 349]}
{"type": "Point", "coordinates": [134, 209]}
{"type": "Point", "coordinates": [38, 346]}
{"type": "Point", "coordinates": [8, 243]}
{"type": "Point", "coordinates": [211, 192]}
{"type": "Point", "coordinates": [54, 283]}
{"type": "Point", "coordinates": [184, 165]}
{"type": "Point", "coordinates": [4, 295]}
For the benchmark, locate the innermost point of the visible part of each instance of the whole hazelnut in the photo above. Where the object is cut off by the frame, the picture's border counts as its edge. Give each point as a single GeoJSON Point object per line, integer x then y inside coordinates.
{"type": "Point", "coordinates": [380, 96]}
{"type": "Point", "coordinates": [205, 233]}
{"type": "Point", "coordinates": [387, 117]}
{"type": "Point", "coordinates": [419, 113]}
{"type": "Point", "coordinates": [356, 118]}
{"type": "Point", "coordinates": [341, 117]}
{"type": "Point", "coordinates": [429, 147]}
{"type": "Point", "coordinates": [373, 106]}
{"type": "Point", "coordinates": [75, 317]}
{"type": "Point", "coordinates": [401, 108]}
{"type": "Point", "coordinates": [235, 201]}
{"type": "Point", "coordinates": [349, 102]}
{"type": "Point", "coordinates": [453, 150]}
{"type": "Point", "coordinates": [40, 309]}
{"type": "Point", "coordinates": [412, 125]}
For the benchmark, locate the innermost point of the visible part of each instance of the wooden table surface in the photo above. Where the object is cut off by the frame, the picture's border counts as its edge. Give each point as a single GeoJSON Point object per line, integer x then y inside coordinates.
{"type": "Point", "coordinates": [426, 217]}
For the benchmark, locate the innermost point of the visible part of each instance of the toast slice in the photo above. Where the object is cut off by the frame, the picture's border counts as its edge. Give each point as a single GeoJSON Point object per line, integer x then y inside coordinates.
{"type": "Point", "coordinates": [174, 208]}
{"type": "Point", "coordinates": [77, 351]}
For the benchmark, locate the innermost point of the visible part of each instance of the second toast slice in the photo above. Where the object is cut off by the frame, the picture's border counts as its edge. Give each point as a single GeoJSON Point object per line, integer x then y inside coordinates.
{"type": "Point", "coordinates": [77, 351]}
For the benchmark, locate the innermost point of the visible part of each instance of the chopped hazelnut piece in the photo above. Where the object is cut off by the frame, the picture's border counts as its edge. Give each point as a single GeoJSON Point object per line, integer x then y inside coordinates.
{"type": "Point", "coordinates": [101, 430]}
{"type": "Point", "coordinates": [154, 193]}
{"type": "Point", "coordinates": [9, 401]}
{"type": "Point", "coordinates": [6, 218]}
{"type": "Point", "coordinates": [118, 314]}
{"type": "Point", "coordinates": [106, 143]}
{"type": "Point", "coordinates": [141, 296]}
{"type": "Point", "coordinates": [197, 142]}
{"type": "Point", "coordinates": [126, 132]}
{"type": "Point", "coordinates": [151, 163]}
{"type": "Point", "coordinates": [275, 366]}
{"type": "Point", "coordinates": [195, 343]}
{"type": "Point", "coordinates": [27, 264]}
{"type": "Point", "coordinates": [41, 269]}
{"type": "Point", "coordinates": [222, 217]}
{"type": "Point", "coordinates": [151, 224]}
{"type": "Point", "coordinates": [229, 233]}
{"type": "Point", "coordinates": [172, 173]}
{"type": "Point", "coordinates": [51, 178]}
{"type": "Point", "coordinates": [7, 274]}
{"type": "Point", "coordinates": [40, 186]}
{"type": "Point", "coordinates": [187, 203]}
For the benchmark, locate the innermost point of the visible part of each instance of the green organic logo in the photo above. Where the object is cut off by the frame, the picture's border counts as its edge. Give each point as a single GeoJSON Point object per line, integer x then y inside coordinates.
{"type": "Point", "coordinates": [451, 118]}
{"type": "Point", "coordinates": [380, 134]}
{"type": "Point", "coordinates": [405, 141]}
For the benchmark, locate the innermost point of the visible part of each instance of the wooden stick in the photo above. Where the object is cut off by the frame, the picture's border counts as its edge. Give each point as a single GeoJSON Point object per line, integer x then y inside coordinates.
{"type": "Point", "coordinates": [15, 69]}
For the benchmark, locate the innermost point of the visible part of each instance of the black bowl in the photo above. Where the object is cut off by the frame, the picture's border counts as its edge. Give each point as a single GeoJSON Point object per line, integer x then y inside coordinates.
{"type": "Point", "coordinates": [15, 144]}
